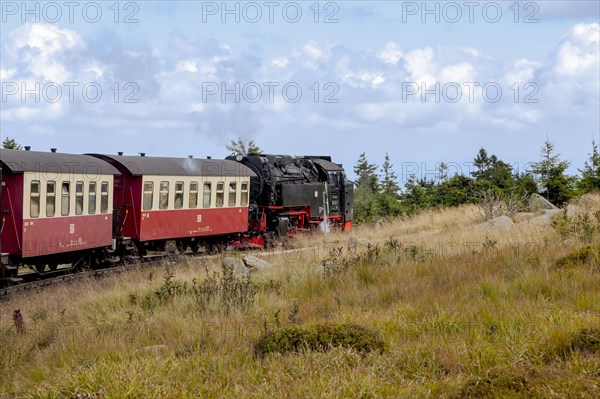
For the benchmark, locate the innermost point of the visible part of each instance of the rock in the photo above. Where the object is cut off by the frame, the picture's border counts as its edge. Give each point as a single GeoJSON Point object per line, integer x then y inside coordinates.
{"type": "Point", "coordinates": [256, 263]}
{"type": "Point", "coordinates": [539, 203]}
{"type": "Point", "coordinates": [320, 270]}
{"type": "Point", "coordinates": [353, 242]}
{"type": "Point", "coordinates": [500, 222]}
{"type": "Point", "coordinates": [572, 210]}
{"type": "Point", "coordinates": [543, 220]}
{"type": "Point", "coordinates": [523, 216]}
{"type": "Point", "coordinates": [236, 266]}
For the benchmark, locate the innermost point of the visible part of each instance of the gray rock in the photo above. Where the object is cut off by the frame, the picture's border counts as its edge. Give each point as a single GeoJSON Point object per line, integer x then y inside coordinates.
{"type": "Point", "coordinates": [539, 203]}
{"type": "Point", "coordinates": [256, 263]}
{"type": "Point", "coordinates": [353, 242]}
{"type": "Point", "coordinates": [543, 220]}
{"type": "Point", "coordinates": [320, 270]}
{"type": "Point", "coordinates": [500, 222]}
{"type": "Point", "coordinates": [236, 266]}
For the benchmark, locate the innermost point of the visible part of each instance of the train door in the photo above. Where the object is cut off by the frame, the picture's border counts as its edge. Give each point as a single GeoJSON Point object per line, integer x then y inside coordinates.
{"type": "Point", "coordinates": [118, 199]}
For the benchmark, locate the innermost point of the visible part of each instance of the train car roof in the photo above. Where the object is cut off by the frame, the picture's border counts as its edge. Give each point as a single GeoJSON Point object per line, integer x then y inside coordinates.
{"type": "Point", "coordinates": [20, 161]}
{"type": "Point", "coordinates": [164, 166]}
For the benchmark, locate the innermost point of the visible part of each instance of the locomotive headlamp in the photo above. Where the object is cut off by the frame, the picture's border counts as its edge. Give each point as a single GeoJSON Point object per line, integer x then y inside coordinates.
{"type": "Point", "coordinates": [239, 157]}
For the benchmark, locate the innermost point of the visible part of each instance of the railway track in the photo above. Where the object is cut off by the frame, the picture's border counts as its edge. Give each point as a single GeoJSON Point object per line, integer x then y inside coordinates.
{"type": "Point", "coordinates": [35, 282]}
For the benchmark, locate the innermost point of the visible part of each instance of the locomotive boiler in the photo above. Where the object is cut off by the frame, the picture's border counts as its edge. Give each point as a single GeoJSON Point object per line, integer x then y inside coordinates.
{"type": "Point", "coordinates": [291, 194]}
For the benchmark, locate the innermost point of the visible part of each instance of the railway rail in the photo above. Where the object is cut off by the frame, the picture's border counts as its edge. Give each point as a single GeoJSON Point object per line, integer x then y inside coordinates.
{"type": "Point", "coordinates": [35, 282]}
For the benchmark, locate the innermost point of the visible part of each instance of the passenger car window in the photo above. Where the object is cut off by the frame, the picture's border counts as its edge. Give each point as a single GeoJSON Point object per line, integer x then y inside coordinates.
{"type": "Point", "coordinates": [244, 196]}
{"type": "Point", "coordinates": [65, 198]}
{"type": "Point", "coordinates": [104, 197]}
{"type": "Point", "coordinates": [178, 194]}
{"type": "Point", "coordinates": [193, 195]}
{"type": "Point", "coordinates": [232, 194]}
{"type": "Point", "coordinates": [206, 195]}
{"type": "Point", "coordinates": [79, 198]}
{"type": "Point", "coordinates": [220, 194]}
{"type": "Point", "coordinates": [92, 198]}
{"type": "Point", "coordinates": [148, 195]}
{"type": "Point", "coordinates": [50, 198]}
{"type": "Point", "coordinates": [163, 202]}
{"type": "Point", "coordinates": [34, 203]}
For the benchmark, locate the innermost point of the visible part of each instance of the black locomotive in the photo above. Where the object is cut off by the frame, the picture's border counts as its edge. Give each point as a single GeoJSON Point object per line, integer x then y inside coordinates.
{"type": "Point", "coordinates": [291, 194]}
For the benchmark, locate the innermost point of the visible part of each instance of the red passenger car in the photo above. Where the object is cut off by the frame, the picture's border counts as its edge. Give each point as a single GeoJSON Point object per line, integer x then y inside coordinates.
{"type": "Point", "coordinates": [55, 208]}
{"type": "Point", "coordinates": [184, 201]}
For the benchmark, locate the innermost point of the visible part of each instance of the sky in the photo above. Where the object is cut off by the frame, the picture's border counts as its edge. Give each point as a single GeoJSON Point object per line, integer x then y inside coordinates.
{"type": "Point", "coordinates": [425, 81]}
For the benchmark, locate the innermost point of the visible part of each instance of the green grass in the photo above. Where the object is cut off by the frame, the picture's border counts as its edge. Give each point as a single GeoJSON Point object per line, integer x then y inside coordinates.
{"type": "Point", "coordinates": [489, 315]}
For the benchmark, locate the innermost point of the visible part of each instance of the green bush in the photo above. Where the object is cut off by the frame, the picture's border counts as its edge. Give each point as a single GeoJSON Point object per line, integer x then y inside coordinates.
{"type": "Point", "coordinates": [585, 255]}
{"type": "Point", "coordinates": [320, 337]}
{"type": "Point", "coordinates": [497, 383]}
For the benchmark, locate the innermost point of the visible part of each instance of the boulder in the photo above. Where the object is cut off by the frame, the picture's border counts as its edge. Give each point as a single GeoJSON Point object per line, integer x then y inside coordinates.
{"type": "Point", "coordinates": [539, 203]}
{"type": "Point", "coordinates": [255, 263]}
{"type": "Point", "coordinates": [500, 222]}
{"type": "Point", "coordinates": [320, 270]}
{"type": "Point", "coordinates": [353, 242]}
{"type": "Point", "coordinates": [543, 220]}
{"type": "Point", "coordinates": [236, 266]}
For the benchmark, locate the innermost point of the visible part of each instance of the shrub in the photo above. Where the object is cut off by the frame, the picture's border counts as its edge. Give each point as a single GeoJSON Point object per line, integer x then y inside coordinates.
{"type": "Point", "coordinates": [498, 382]}
{"type": "Point", "coordinates": [320, 337]}
{"type": "Point", "coordinates": [585, 255]}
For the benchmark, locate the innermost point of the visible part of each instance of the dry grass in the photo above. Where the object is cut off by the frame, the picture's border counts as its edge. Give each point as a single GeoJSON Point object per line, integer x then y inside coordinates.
{"type": "Point", "coordinates": [464, 313]}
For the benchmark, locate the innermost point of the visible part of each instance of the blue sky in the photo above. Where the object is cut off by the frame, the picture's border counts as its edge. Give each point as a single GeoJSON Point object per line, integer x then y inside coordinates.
{"type": "Point", "coordinates": [184, 78]}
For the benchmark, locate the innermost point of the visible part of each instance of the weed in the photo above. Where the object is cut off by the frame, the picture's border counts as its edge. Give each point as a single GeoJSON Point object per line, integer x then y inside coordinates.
{"type": "Point", "coordinates": [293, 313]}
{"type": "Point", "coordinates": [585, 255]}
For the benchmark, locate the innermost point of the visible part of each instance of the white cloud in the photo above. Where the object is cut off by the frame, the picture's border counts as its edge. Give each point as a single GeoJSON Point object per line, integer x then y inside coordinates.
{"type": "Point", "coordinates": [580, 51]}
{"type": "Point", "coordinates": [39, 47]}
{"type": "Point", "coordinates": [390, 54]}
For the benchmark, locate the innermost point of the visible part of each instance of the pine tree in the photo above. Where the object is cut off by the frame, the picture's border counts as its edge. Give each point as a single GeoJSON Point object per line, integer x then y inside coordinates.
{"type": "Point", "coordinates": [590, 174]}
{"type": "Point", "coordinates": [492, 173]}
{"type": "Point", "coordinates": [481, 162]}
{"type": "Point", "coordinates": [366, 207]}
{"type": "Point", "coordinates": [389, 195]}
{"type": "Point", "coordinates": [550, 175]}
{"type": "Point", "coordinates": [11, 144]}
{"type": "Point", "coordinates": [365, 173]}
{"type": "Point", "coordinates": [389, 185]}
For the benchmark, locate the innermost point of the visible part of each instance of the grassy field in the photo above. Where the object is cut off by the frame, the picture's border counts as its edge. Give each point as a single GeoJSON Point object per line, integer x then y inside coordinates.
{"type": "Point", "coordinates": [455, 311]}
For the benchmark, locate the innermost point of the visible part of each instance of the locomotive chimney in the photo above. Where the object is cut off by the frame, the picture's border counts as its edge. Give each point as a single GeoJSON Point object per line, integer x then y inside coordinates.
{"type": "Point", "coordinates": [52, 149]}
{"type": "Point", "coordinates": [27, 147]}
{"type": "Point", "coordinates": [142, 154]}
{"type": "Point", "coordinates": [120, 153]}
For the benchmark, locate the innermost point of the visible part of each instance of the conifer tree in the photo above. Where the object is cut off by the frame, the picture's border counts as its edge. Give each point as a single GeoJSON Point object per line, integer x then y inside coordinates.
{"type": "Point", "coordinates": [550, 175]}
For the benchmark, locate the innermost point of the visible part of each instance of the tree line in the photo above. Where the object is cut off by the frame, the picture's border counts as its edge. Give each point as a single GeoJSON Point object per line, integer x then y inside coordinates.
{"type": "Point", "coordinates": [378, 195]}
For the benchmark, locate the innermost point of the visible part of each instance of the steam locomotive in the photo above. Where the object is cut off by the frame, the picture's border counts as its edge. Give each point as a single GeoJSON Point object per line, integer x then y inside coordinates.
{"type": "Point", "coordinates": [87, 210]}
